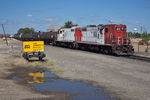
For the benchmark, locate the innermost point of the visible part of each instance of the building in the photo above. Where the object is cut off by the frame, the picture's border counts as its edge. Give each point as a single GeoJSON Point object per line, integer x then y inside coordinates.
{"type": "Point", "coordinates": [54, 28]}
{"type": "Point", "coordinates": [1, 35]}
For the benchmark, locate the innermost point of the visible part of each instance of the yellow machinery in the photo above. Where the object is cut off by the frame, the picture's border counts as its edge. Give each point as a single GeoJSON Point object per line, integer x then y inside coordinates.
{"type": "Point", "coordinates": [33, 49]}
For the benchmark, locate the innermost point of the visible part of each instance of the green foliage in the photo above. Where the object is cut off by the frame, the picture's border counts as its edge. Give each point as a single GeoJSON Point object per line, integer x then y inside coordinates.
{"type": "Point", "coordinates": [25, 30]}
{"type": "Point", "coordinates": [69, 24]}
{"type": "Point", "coordinates": [133, 35]}
{"type": "Point", "coordinates": [145, 37]}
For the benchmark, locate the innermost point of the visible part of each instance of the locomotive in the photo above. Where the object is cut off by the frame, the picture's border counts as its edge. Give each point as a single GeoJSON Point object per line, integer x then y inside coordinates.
{"type": "Point", "coordinates": [108, 39]}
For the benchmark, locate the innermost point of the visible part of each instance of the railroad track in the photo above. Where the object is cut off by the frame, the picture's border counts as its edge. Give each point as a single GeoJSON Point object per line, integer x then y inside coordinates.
{"type": "Point", "coordinates": [138, 57]}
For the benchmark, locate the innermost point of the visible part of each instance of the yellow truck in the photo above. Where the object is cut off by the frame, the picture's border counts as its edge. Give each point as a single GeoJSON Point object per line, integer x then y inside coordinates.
{"type": "Point", "coordinates": [33, 49]}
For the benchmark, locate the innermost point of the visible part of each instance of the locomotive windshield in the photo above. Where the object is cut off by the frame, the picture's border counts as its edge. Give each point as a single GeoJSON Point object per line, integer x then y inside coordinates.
{"type": "Point", "coordinates": [121, 28]}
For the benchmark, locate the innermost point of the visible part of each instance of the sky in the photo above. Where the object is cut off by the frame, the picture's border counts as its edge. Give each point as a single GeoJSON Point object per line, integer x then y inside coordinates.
{"type": "Point", "coordinates": [39, 14]}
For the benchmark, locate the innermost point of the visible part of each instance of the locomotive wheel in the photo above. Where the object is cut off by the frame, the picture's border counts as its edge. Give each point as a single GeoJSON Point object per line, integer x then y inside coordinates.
{"type": "Point", "coordinates": [75, 45]}
{"type": "Point", "coordinates": [106, 51]}
{"type": "Point", "coordinates": [53, 44]}
{"type": "Point", "coordinates": [118, 53]}
{"type": "Point", "coordinates": [71, 46]}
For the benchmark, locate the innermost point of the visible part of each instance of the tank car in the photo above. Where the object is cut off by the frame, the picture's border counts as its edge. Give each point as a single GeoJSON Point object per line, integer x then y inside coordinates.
{"type": "Point", "coordinates": [47, 37]}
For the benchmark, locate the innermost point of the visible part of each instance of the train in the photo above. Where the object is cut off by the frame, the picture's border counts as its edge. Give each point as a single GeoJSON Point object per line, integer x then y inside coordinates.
{"type": "Point", "coordinates": [108, 39]}
{"type": "Point", "coordinates": [47, 37]}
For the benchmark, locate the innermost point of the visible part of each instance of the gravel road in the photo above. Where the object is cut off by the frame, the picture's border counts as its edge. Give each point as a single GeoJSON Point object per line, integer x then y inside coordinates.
{"type": "Point", "coordinates": [122, 78]}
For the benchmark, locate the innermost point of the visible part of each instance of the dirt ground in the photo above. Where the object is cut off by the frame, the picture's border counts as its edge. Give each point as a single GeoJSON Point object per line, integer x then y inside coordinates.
{"type": "Point", "coordinates": [11, 63]}
{"type": "Point", "coordinates": [121, 78]}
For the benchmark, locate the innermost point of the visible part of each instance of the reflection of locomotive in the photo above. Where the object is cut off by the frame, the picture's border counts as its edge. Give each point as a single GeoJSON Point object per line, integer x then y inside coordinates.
{"type": "Point", "coordinates": [108, 39]}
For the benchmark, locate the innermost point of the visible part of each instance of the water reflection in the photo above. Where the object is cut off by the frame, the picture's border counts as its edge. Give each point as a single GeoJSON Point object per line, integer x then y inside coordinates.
{"type": "Point", "coordinates": [36, 78]}
{"type": "Point", "coordinates": [48, 82]}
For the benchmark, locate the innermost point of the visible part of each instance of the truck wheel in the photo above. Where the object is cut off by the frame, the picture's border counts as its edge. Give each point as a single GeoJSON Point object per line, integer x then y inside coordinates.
{"type": "Point", "coordinates": [27, 58]}
{"type": "Point", "coordinates": [40, 58]}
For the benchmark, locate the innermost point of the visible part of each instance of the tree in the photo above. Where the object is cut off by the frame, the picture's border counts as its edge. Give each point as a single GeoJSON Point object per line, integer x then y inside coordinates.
{"type": "Point", "coordinates": [133, 35]}
{"type": "Point", "coordinates": [25, 30]}
{"type": "Point", "coordinates": [129, 35]}
{"type": "Point", "coordinates": [145, 37]}
{"type": "Point", "coordinates": [69, 24]}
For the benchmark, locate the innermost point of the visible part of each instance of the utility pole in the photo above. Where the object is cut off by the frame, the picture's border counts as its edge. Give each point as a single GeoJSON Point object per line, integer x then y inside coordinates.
{"type": "Point", "coordinates": [5, 34]}
{"type": "Point", "coordinates": [141, 29]}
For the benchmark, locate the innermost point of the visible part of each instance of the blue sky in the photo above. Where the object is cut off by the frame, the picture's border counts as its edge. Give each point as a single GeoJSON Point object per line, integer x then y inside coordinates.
{"type": "Point", "coordinates": [39, 14]}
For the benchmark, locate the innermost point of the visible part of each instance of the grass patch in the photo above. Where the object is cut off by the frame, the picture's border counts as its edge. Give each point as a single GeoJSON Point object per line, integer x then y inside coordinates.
{"type": "Point", "coordinates": [56, 71]}
{"type": "Point", "coordinates": [15, 62]}
{"type": "Point", "coordinates": [21, 62]}
{"type": "Point", "coordinates": [49, 63]}
{"type": "Point", "coordinates": [142, 53]}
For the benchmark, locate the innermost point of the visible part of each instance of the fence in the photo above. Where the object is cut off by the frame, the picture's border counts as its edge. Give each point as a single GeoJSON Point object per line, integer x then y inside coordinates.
{"type": "Point", "coordinates": [141, 49]}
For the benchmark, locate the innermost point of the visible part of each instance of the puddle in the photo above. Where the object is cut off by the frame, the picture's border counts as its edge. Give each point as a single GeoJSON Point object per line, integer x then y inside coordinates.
{"type": "Point", "coordinates": [48, 82]}
{"type": "Point", "coordinates": [14, 77]}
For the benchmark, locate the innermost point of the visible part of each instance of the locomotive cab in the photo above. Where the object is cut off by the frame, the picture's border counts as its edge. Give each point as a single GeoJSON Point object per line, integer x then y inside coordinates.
{"type": "Point", "coordinates": [115, 35]}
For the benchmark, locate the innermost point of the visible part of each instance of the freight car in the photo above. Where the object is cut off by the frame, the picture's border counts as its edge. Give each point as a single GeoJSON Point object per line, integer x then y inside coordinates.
{"type": "Point", "coordinates": [47, 37]}
{"type": "Point", "coordinates": [108, 39]}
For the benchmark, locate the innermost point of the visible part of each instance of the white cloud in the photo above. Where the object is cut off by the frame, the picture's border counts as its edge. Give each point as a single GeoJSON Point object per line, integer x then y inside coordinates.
{"type": "Point", "coordinates": [113, 21]}
{"type": "Point", "coordinates": [3, 21]}
{"type": "Point", "coordinates": [49, 20]}
{"type": "Point", "coordinates": [29, 15]}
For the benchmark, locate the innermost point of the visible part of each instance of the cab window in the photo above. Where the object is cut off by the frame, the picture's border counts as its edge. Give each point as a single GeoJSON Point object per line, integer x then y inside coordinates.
{"type": "Point", "coordinates": [60, 32]}
{"type": "Point", "coordinates": [101, 31]}
{"type": "Point", "coordinates": [106, 30]}
{"type": "Point", "coordinates": [77, 30]}
{"type": "Point", "coordinates": [84, 29]}
{"type": "Point", "coordinates": [118, 28]}
{"type": "Point", "coordinates": [124, 28]}
{"type": "Point", "coordinates": [72, 30]}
